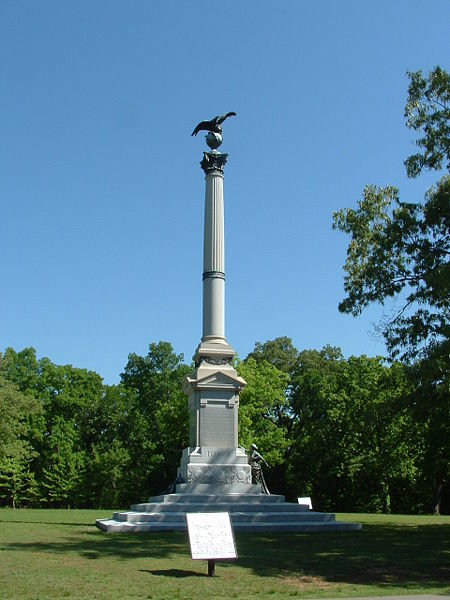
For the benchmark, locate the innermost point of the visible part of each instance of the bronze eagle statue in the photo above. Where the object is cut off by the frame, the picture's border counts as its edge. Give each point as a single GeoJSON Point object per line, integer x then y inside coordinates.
{"type": "Point", "coordinates": [214, 125]}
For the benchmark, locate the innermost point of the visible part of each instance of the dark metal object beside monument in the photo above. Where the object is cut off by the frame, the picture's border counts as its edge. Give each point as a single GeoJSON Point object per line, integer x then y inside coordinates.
{"type": "Point", "coordinates": [254, 460]}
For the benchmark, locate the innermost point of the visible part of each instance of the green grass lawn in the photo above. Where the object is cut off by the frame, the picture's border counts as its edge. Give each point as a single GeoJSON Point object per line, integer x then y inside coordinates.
{"type": "Point", "coordinates": [53, 554]}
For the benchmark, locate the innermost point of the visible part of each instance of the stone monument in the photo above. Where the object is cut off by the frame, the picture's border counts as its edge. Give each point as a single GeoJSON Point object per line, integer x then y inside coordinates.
{"type": "Point", "coordinates": [214, 462]}
{"type": "Point", "coordinates": [214, 473]}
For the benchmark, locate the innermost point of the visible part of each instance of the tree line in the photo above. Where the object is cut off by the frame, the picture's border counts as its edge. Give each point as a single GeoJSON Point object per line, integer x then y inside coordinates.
{"type": "Point", "coordinates": [346, 431]}
{"type": "Point", "coordinates": [356, 434]}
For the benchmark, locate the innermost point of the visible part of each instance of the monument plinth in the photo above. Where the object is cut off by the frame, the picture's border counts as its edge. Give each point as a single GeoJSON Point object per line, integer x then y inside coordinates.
{"type": "Point", "coordinates": [214, 462]}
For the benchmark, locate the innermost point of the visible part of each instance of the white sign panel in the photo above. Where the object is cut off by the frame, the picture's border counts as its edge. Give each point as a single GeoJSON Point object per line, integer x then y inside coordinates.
{"type": "Point", "coordinates": [306, 500]}
{"type": "Point", "coordinates": [211, 535]}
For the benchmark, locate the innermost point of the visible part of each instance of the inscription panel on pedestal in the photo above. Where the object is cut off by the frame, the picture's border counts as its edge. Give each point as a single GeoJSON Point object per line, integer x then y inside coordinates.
{"type": "Point", "coordinates": [217, 421]}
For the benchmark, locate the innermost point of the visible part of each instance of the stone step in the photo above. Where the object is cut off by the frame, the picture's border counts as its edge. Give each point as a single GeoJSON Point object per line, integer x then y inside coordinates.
{"type": "Point", "coordinates": [218, 488]}
{"type": "Point", "coordinates": [111, 525]}
{"type": "Point", "coordinates": [149, 507]}
{"type": "Point", "coordinates": [213, 498]}
{"type": "Point", "coordinates": [236, 516]}
{"type": "Point", "coordinates": [249, 512]}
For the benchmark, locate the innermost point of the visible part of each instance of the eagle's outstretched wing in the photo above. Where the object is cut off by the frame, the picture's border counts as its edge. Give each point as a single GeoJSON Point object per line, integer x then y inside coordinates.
{"type": "Point", "coordinates": [212, 124]}
{"type": "Point", "coordinates": [202, 126]}
{"type": "Point", "coordinates": [223, 117]}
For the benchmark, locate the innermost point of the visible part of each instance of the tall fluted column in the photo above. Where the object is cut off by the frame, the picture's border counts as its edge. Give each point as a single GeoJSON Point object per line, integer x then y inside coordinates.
{"type": "Point", "coordinates": [213, 249]}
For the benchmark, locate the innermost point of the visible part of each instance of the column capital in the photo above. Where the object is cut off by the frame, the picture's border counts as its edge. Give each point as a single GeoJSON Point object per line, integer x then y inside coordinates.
{"type": "Point", "coordinates": [213, 161]}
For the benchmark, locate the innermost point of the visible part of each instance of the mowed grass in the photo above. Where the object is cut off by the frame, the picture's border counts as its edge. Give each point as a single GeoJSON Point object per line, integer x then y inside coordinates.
{"type": "Point", "coordinates": [53, 554]}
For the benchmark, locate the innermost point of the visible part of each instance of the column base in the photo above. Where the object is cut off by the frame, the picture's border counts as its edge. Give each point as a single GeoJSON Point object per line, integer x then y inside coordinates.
{"type": "Point", "coordinates": [214, 351]}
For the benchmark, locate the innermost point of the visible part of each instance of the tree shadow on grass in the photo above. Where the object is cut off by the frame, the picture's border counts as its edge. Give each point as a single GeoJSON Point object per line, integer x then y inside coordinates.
{"type": "Point", "coordinates": [381, 554]}
{"type": "Point", "coordinates": [93, 544]}
{"type": "Point", "coordinates": [46, 523]}
{"type": "Point", "coordinates": [178, 573]}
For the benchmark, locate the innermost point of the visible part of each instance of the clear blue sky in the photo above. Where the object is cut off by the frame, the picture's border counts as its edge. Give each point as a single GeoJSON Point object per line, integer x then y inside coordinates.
{"type": "Point", "coordinates": [100, 186]}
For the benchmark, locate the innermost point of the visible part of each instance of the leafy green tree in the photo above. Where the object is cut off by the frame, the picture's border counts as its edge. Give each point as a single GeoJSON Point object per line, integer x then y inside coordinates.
{"type": "Point", "coordinates": [92, 417]}
{"type": "Point", "coordinates": [430, 406]}
{"type": "Point", "coordinates": [428, 111]}
{"type": "Point", "coordinates": [71, 398]}
{"type": "Point", "coordinates": [109, 465]}
{"type": "Point", "coordinates": [18, 485]}
{"type": "Point", "coordinates": [317, 450]}
{"type": "Point", "coordinates": [262, 404]}
{"type": "Point", "coordinates": [17, 410]}
{"type": "Point", "coordinates": [400, 251]}
{"type": "Point", "coordinates": [339, 429]}
{"type": "Point", "coordinates": [288, 413]}
{"type": "Point", "coordinates": [20, 368]}
{"type": "Point", "coordinates": [63, 464]}
{"type": "Point", "coordinates": [272, 367]}
{"type": "Point", "coordinates": [21, 371]}
{"type": "Point", "coordinates": [360, 440]}
{"type": "Point", "coordinates": [280, 353]}
{"type": "Point", "coordinates": [159, 416]}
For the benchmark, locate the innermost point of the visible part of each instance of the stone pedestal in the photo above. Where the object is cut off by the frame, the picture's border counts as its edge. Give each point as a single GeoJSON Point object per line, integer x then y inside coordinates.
{"type": "Point", "coordinates": [214, 456]}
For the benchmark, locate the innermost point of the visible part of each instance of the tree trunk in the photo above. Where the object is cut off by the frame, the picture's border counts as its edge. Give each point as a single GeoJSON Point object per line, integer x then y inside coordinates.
{"type": "Point", "coordinates": [437, 499]}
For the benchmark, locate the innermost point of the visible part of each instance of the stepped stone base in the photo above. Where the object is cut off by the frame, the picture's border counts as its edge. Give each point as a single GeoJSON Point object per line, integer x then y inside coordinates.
{"type": "Point", "coordinates": [250, 512]}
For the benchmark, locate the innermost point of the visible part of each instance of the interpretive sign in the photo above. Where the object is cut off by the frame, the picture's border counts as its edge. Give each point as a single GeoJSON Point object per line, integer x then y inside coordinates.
{"type": "Point", "coordinates": [211, 535]}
